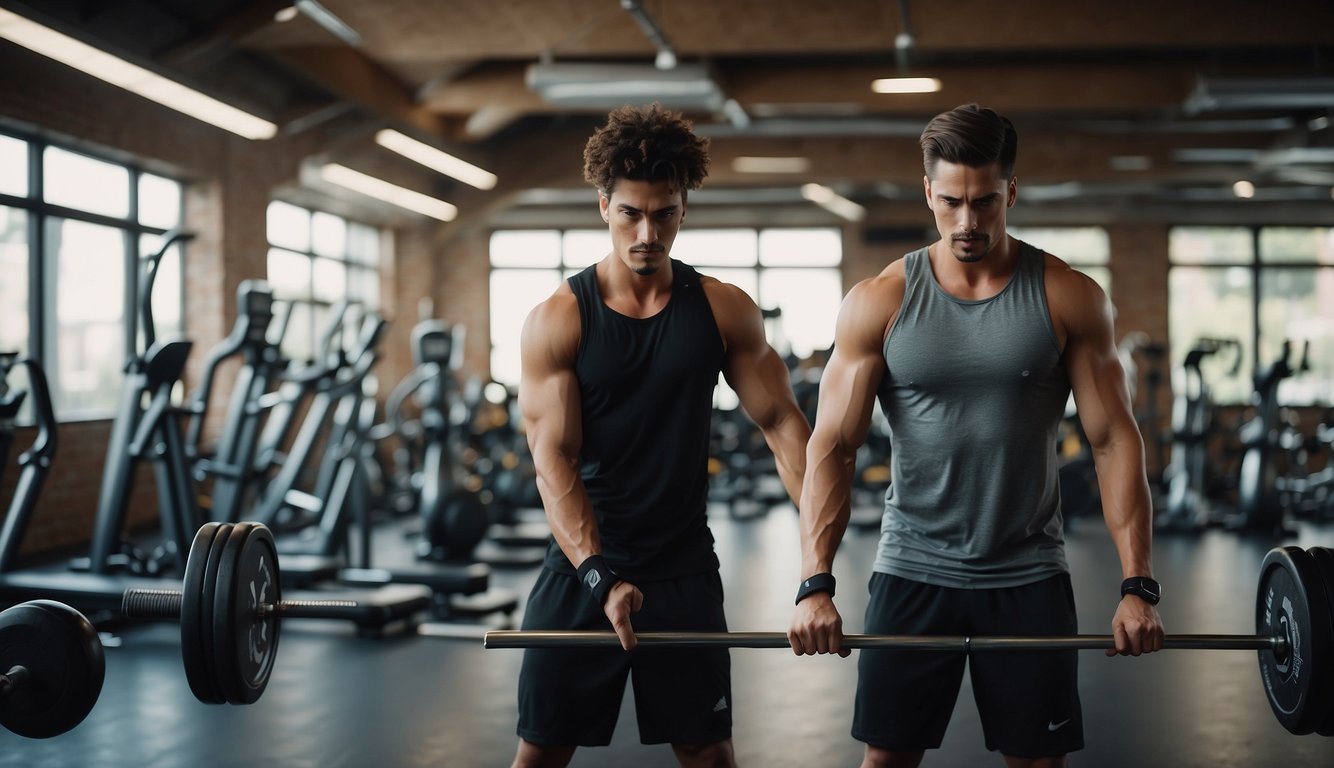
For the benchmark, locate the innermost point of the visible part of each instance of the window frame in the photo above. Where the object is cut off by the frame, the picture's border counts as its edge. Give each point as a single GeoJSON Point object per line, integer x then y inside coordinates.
{"type": "Point", "coordinates": [42, 289]}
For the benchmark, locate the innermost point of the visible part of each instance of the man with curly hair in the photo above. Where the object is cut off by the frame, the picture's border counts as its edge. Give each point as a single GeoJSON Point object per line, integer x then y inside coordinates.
{"type": "Point", "coordinates": [619, 368]}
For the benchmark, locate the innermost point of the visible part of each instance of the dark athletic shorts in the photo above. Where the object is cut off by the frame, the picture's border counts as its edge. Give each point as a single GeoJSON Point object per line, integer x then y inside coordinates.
{"type": "Point", "coordinates": [572, 696]}
{"type": "Point", "coordinates": [1028, 700]}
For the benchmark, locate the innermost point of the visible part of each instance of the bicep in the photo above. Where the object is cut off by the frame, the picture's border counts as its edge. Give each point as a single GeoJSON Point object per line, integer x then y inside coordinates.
{"type": "Point", "coordinates": [753, 369]}
{"type": "Point", "coordinates": [548, 392]}
{"type": "Point", "coordinates": [1097, 377]}
{"type": "Point", "coordinates": [852, 376]}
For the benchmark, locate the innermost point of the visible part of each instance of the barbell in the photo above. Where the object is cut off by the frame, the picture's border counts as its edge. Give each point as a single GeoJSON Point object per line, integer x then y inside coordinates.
{"type": "Point", "coordinates": [53, 668]}
{"type": "Point", "coordinates": [230, 609]}
{"type": "Point", "coordinates": [1294, 639]}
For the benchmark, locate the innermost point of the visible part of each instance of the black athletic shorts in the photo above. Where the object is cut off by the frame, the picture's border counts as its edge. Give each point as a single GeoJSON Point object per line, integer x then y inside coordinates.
{"type": "Point", "coordinates": [1028, 700]}
{"type": "Point", "coordinates": [572, 696]}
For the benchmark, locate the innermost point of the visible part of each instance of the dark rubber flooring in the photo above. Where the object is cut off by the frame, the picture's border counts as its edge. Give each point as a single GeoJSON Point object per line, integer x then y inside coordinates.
{"type": "Point", "coordinates": [337, 699]}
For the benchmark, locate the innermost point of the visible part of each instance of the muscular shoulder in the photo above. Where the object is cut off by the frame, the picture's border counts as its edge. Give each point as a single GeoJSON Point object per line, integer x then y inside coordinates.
{"type": "Point", "coordinates": [871, 306]}
{"type": "Point", "coordinates": [734, 310]}
{"type": "Point", "coordinates": [1076, 302]}
{"type": "Point", "coordinates": [552, 327]}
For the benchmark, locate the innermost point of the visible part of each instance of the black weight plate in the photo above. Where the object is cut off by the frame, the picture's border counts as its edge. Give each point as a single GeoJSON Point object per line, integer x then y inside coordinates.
{"type": "Point", "coordinates": [245, 643]}
{"type": "Point", "coordinates": [63, 656]}
{"type": "Point", "coordinates": [1324, 559]}
{"type": "Point", "coordinates": [192, 633]}
{"type": "Point", "coordinates": [462, 523]}
{"type": "Point", "coordinates": [210, 690]}
{"type": "Point", "coordinates": [1290, 603]}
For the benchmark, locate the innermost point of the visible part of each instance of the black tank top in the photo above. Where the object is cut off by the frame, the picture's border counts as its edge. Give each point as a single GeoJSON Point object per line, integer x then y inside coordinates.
{"type": "Point", "coordinates": [646, 391]}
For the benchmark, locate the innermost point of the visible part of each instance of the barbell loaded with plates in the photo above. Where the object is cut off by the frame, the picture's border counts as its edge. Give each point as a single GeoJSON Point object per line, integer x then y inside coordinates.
{"type": "Point", "coordinates": [51, 668]}
{"type": "Point", "coordinates": [229, 608]}
{"type": "Point", "coordinates": [1294, 619]}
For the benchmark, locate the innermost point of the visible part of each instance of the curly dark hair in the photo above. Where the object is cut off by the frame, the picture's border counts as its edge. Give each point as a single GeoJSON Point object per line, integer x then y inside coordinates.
{"type": "Point", "coordinates": [646, 144]}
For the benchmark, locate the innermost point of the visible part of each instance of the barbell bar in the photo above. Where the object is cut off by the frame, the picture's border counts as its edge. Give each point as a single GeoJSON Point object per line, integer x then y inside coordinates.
{"type": "Point", "coordinates": [958, 643]}
{"type": "Point", "coordinates": [1294, 639]}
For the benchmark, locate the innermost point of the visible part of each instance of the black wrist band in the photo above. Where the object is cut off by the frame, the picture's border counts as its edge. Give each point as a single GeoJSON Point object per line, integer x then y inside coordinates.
{"type": "Point", "coordinates": [1142, 587]}
{"type": "Point", "coordinates": [820, 582]}
{"type": "Point", "coordinates": [597, 577]}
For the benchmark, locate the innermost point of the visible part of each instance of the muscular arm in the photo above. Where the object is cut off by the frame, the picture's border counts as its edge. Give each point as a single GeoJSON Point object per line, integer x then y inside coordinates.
{"type": "Point", "coordinates": [760, 378]}
{"type": "Point", "coordinates": [549, 401]}
{"type": "Point", "coordinates": [1103, 403]}
{"type": "Point", "coordinates": [847, 396]}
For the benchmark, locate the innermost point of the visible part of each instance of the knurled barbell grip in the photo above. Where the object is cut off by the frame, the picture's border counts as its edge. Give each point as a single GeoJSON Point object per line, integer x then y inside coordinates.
{"type": "Point", "coordinates": [166, 604]}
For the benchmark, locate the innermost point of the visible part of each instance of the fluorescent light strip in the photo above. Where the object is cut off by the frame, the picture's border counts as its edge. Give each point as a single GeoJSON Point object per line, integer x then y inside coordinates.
{"type": "Point", "coordinates": [131, 77]}
{"type": "Point", "coordinates": [390, 193]}
{"type": "Point", "coordinates": [833, 202]}
{"type": "Point", "coordinates": [746, 164]}
{"type": "Point", "coordinates": [906, 85]}
{"type": "Point", "coordinates": [435, 159]}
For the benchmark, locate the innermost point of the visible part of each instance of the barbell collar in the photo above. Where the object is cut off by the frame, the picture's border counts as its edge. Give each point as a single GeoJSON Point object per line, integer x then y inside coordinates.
{"type": "Point", "coordinates": [576, 639]}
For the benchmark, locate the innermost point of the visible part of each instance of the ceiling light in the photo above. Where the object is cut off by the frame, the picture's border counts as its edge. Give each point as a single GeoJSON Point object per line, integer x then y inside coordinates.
{"type": "Point", "coordinates": [131, 77]}
{"type": "Point", "coordinates": [746, 164]}
{"type": "Point", "coordinates": [906, 85]}
{"type": "Point", "coordinates": [1243, 189]}
{"type": "Point", "coordinates": [581, 85]}
{"type": "Point", "coordinates": [1130, 163]}
{"type": "Point", "coordinates": [1318, 123]}
{"type": "Point", "coordinates": [435, 159]}
{"type": "Point", "coordinates": [286, 14]}
{"type": "Point", "coordinates": [833, 202]}
{"type": "Point", "coordinates": [331, 23]}
{"type": "Point", "coordinates": [390, 193]}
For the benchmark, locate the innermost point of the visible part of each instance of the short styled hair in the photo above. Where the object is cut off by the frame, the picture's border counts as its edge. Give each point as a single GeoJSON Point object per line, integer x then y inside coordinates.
{"type": "Point", "coordinates": [646, 144]}
{"type": "Point", "coordinates": [969, 135]}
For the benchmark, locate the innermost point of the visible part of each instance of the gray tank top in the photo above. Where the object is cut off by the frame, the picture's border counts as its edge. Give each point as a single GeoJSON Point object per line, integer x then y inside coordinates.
{"type": "Point", "coordinates": [974, 394]}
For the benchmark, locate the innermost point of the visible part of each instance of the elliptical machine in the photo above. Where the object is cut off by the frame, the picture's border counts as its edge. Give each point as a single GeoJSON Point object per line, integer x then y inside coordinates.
{"type": "Point", "coordinates": [1259, 506]}
{"type": "Point", "coordinates": [454, 518]}
{"type": "Point", "coordinates": [1188, 507]}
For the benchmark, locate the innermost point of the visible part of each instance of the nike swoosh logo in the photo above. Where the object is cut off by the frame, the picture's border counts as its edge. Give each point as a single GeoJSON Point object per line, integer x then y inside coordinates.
{"type": "Point", "coordinates": [1053, 727]}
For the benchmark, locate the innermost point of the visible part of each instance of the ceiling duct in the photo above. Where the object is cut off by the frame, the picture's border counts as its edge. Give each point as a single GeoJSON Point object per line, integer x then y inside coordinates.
{"type": "Point", "coordinates": [580, 85]}
{"type": "Point", "coordinates": [1260, 93]}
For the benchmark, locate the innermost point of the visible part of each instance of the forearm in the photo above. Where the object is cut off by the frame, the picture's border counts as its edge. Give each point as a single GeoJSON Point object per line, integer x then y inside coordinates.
{"type": "Point", "coordinates": [569, 512]}
{"type": "Point", "coordinates": [1127, 507]}
{"type": "Point", "coordinates": [787, 439]}
{"type": "Point", "coordinates": [826, 506]}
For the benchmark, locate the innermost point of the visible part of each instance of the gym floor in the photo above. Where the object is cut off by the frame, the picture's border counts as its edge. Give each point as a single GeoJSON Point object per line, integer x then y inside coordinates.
{"type": "Point", "coordinates": [336, 699]}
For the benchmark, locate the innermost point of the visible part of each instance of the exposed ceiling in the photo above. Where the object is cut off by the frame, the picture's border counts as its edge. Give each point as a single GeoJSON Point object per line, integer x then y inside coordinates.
{"type": "Point", "coordinates": [1117, 104]}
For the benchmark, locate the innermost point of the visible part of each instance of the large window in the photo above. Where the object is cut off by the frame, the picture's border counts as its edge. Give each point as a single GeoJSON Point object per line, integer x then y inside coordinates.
{"type": "Point", "coordinates": [1263, 287]}
{"type": "Point", "coordinates": [73, 231]}
{"type": "Point", "coordinates": [1087, 249]}
{"type": "Point", "coordinates": [796, 271]}
{"type": "Point", "coordinates": [317, 260]}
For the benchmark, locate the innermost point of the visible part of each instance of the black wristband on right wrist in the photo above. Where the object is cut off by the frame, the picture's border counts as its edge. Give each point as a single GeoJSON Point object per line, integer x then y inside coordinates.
{"type": "Point", "coordinates": [597, 577]}
{"type": "Point", "coordinates": [820, 582]}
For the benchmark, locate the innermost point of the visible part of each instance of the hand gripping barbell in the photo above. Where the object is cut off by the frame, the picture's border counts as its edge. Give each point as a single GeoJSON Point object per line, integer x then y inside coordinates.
{"type": "Point", "coordinates": [1294, 620]}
